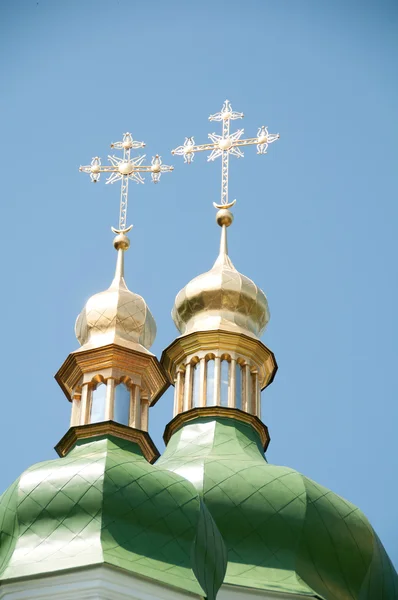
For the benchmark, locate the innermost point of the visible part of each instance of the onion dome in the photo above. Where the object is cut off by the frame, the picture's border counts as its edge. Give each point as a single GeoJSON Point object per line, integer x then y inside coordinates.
{"type": "Point", "coordinates": [104, 504]}
{"type": "Point", "coordinates": [283, 532]}
{"type": "Point", "coordinates": [117, 314]}
{"type": "Point", "coordinates": [221, 298]}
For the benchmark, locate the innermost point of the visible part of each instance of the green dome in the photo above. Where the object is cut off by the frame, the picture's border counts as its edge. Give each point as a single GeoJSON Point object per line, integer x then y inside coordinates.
{"type": "Point", "coordinates": [283, 532]}
{"type": "Point", "coordinates": [104, 503]}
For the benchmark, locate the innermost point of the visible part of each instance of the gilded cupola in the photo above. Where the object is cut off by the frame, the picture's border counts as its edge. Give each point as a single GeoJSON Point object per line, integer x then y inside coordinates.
{"type": "Point", "coordinates": [221, 298]}
{"type": "Point", "coordinates": [117, 314]}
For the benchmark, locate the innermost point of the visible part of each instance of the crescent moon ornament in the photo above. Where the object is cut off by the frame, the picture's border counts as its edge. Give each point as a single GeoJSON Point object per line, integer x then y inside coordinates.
{"type": "Point", "coordinates": [120, 231]}
{"type": "Point", "coordinates": [228, 205]}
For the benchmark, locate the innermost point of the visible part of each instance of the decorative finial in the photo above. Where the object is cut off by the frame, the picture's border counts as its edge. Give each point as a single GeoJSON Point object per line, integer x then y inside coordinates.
{"type": "Point", "coordinates": [125, 168]}
{"type": "Point", "coordinates": [224, 219]}
{"type": "Point", "coordinates": [224, 145]}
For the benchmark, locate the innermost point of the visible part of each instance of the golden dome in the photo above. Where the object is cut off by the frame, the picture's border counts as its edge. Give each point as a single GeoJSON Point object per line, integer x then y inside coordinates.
{"type": "Point", "coordinates": [222, 298]}
{"type": "Point", "coordinates": [117, 314]}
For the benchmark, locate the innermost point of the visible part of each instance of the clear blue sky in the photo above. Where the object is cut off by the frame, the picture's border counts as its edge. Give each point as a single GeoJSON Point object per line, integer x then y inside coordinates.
{"type": "Point", "coordinates": [315, 223]}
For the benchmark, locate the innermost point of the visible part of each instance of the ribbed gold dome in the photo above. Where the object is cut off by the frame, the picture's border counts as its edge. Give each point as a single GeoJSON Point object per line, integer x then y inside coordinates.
{"type": "Point", "coordinates": [222, 298]}
{"type": "Point", "coordinates": [117, 314]}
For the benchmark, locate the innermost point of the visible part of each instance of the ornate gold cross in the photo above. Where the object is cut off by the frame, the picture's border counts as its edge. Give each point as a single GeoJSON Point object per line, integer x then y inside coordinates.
{"type": "Point", "coordinates": [226, 144]}
{"type": "Point", "coordinates": [125, 168]}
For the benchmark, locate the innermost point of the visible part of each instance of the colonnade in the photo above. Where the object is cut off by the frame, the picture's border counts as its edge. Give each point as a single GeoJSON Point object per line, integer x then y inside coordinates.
{"type": "Point", "coordinates": [221, 380]}
{"type": "Point", "coordinates": [110, 400]}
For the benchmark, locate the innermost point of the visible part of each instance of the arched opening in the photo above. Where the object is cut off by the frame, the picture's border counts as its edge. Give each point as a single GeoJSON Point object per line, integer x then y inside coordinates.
{"type": "Point", "coordinates": [121, 410]}
{"type": "Point", "coordinates": [224, 383]}
{"type": "Point", "coordinates": [98, 401]}
{"type": "Point", "coordinates": [210, 396]}
{"type": "Point", "coordinates": [195, 385]}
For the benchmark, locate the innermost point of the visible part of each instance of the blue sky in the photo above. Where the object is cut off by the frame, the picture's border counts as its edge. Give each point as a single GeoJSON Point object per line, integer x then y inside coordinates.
{"type": "Point", "coordinates": [315, 222]}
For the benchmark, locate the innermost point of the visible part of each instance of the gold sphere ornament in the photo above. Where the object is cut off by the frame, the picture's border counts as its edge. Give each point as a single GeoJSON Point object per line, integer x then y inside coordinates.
{"type": "Point", "coordinates": [121, 242]}
{"type": "Point", "coordinates": [224, 217]}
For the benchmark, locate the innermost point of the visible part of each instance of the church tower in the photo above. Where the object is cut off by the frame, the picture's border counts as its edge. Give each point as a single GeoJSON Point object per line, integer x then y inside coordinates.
{"type": "Point", "coordinates": [103, 521]}
{"type": "Point", "coordinates": [210, 518]}
{"type": "Point", "coordinates": [286, 536]}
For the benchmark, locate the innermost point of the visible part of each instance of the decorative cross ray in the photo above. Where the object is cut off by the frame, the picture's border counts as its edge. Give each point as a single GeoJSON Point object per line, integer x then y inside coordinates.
{"type": "Point", "coordinates": [226, 144]}
{"type": "Point", "coordinates": [125, 168]}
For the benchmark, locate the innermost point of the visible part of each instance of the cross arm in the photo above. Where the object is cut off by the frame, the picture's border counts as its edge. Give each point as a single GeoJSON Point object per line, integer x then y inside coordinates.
{"type": "Point", "coordinates": [189, 147]}
{"type": "Point", "coordinates": [156, 168]}
{"type": "Point", "coordinates": [95, 169]}
{"type": "Point", "coordinates": [262, 140]}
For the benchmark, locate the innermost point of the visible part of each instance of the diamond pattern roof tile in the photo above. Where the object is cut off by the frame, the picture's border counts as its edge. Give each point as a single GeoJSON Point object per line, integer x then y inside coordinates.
{"type": "Point", "coordinates": [104, 503]}
{"type": "Point", "coordinates": [282, 531]}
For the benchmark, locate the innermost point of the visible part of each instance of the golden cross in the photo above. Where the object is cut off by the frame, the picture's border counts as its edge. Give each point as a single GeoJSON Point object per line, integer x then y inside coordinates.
{"type": "Point", "coordinates": [125, 168]}
{"type": "Point", "coordinates": [226, 144]}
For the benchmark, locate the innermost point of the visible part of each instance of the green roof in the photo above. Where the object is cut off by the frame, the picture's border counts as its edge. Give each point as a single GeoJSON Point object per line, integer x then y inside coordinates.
{"type": "Point", "coordinates": [283, 531]}
{"type": "Point", "coordinates": [211, 510]}
{"type": "Point", "coordinates": [105, 504]}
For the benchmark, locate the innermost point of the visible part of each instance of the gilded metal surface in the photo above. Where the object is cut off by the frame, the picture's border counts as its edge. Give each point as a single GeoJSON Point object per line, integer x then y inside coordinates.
{"type": "Point", "coordinates": [113, 360]}
{"type": "Point", "coordinates": [218, 412]}
{"type": "Point", "coordinates": [95, 430]}
{"type": "Point", "coordinates": [222, 298]}
{"type": "Point", "coordinates": [211, 341]}
{"type": "Point", "coordinates": [116, 313]}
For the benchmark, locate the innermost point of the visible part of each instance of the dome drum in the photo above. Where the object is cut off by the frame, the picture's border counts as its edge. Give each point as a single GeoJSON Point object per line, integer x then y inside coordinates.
{"type": "Point", "coordinates": [217, 379]}
{"type": "Point", "coordinates": [118, 400]}
{"type": "Point", "coordinates": [111, 383]}
{"type": "Point", "coordinates": [218, 369]}
{"type": "Point", "coordinates": [82, 366]}
{"type": "Point", "coordinates": [237, 345]}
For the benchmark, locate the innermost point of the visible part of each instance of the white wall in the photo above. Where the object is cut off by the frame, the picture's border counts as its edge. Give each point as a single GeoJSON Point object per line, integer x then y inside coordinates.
{"type": "Point", "coordinates": [105, 583]}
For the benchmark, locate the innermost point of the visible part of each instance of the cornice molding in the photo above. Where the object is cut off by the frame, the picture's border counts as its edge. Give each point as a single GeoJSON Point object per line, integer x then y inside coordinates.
{"type": "Point", "coordinates": [218, 411]}
{"type": "Point", "coordinates": [112, 356]}
{"type": "Point", "coordinates": [94, 430]}
{"type": "Point", "coordinates": [197, 341]}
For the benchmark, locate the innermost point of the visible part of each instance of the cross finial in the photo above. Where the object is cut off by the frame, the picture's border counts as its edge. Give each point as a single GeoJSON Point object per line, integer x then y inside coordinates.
{"type": "Point", "coordinates": [226, 144]}
{"type": "Point", "coordinates": [125, 168]}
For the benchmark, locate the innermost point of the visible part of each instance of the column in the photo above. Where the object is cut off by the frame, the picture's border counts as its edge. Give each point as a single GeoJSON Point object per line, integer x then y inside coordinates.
{"type": "Point", "coordinates": [217, 380]}
{"type": "Point", "coordinates": [232, 384]}
{"type": "Point", "coordinates": [187, 388]}
{"type": "Point", "coordinates": [257, 396]}
{"type": "Point", "coordinates": [178, 393]}
{"type": "Point", "coordinates": [248, 390]}
{"type": "Point", "coordinates": [84, 402]}
{"type": "Point", "coordinates": [135, 412]}
{"type": "Point", "coordinates": [109, 400]}
{"type": "Point", "coordinates": [75, 414]}
{"type": "Point", "coordinates": [144, 415]}
{"type": "Point", "coordinates": [202, 382]}
{"type": "Point", "coordinates": [175, 404]}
